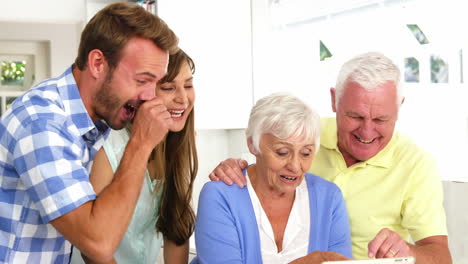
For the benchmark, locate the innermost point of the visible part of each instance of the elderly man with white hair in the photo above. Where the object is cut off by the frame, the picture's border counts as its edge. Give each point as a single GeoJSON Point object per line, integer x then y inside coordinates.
{"type": "Point", "coordinates": [391, 186]}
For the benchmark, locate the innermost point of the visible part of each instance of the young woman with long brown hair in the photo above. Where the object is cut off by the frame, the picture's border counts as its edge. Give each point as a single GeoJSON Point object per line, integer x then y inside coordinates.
{"type": "Point", "coordinates": [163, 211]}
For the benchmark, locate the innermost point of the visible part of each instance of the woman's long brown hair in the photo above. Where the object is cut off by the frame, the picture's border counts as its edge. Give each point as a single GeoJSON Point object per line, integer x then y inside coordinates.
{"type": "Point", "coordinates": [176, 163]}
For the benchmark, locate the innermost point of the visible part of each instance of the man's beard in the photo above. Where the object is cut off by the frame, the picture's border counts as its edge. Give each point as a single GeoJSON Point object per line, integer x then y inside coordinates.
{"type": "Point", "coordinates": [106, 103]}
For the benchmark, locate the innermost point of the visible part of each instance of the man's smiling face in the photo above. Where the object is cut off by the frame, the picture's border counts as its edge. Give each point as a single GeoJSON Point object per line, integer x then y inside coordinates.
{"type": "Point", "coordinates": [365, 120]}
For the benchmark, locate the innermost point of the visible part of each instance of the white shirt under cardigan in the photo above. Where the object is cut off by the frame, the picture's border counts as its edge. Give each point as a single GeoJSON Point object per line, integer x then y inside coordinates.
{"type": "Point", "coordinates": [296, 234]}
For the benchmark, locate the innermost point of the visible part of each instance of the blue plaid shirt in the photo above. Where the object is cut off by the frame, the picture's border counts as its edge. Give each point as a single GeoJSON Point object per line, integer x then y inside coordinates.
{"type": "Point", "coordinates": [47, 144]}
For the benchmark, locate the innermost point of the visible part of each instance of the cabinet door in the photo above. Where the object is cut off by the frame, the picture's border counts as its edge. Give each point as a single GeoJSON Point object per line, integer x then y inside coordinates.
{"type": "Point", "coordinates": [217, 35]}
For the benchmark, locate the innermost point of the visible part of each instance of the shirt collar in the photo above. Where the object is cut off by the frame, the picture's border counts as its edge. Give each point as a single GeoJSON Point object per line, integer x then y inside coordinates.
{"type": "Point", "coordinates": [329, 140]}
{"type": "Point", "coordinates": [75, 108]}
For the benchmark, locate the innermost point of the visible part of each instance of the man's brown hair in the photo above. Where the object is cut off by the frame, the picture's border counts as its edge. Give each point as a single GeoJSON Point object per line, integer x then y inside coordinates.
{"type": "Point", "coordinates": [113, 26]}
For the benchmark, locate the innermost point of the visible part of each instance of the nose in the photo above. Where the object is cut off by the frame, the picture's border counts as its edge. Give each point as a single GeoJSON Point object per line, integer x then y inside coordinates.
{"type": "Point", "coordinates": [294, 164]}
{"type": "Point", "coordinates": [148, 93]}
{"type": "Point", "coordinates": [367, 128]}
{"type": "Point", "coordinates": [181, 96]}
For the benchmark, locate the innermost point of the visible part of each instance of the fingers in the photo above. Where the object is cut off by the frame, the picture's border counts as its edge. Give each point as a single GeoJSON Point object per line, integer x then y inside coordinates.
{"type": "Point", "coordinates": [377, 242]}
{"type": "Point", "coordinates": [230, 171]}
{"type": "Point", "coordinates": [387, 244]}
{"type": "Point", "coordinates": [213, 177]}
{"type": "Point", "coordinates": [221, 172]}
{"type": "Point", "coordinates": [152, 122]}
{"type": "Point", "coordinates": [242, 165]}
{"type": "Point", "coordinates": [399, 248]}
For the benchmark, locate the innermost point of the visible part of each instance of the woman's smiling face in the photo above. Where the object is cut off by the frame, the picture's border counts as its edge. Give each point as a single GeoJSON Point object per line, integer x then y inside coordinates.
{"type": "Point", "coordinates": [282, 163]}
{"type": "Point", "coordinates": [178, 96]}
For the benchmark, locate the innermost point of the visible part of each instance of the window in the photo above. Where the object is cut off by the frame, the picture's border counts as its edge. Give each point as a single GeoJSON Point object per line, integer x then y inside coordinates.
{"type": "Point", "coordinates": [411, 70]}
{"type": "Point", "coordinates": [439, 70]}
{"type": "Point", "coordinates": [324, 52]}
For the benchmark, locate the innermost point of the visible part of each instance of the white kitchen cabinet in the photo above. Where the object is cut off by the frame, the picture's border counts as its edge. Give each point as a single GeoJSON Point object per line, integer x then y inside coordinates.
{"type": "Point", "coordinates": [217, 35]}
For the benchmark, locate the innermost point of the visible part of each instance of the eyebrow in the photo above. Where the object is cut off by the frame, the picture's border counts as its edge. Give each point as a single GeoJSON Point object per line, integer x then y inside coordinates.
{"type": "Point", "coordinates": [289, 144]}
{"type": "Point", "coordinates": [188, 79]}
{"type": "Point", "coordinates": [148, 74]}
{"type": "Point", "coordinates": [353, 113]}
{"type": "Point", "coordinates": [378, 117]}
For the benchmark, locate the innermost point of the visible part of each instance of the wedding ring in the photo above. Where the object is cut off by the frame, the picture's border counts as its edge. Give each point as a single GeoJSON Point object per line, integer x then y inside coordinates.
{"type": "Point", "coordinates": [393, 252]}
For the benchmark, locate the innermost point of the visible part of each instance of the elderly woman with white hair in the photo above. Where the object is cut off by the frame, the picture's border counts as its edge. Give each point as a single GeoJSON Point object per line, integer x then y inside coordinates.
{"type": "Point", "coordinates": [285, 214]}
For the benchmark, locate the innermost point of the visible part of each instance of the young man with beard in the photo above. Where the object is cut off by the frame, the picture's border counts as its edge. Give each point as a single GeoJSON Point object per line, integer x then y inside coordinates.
{"type": "Point", "coordinates": [391, 186]}
{"type": "Point", "coordinates": [50, 134]}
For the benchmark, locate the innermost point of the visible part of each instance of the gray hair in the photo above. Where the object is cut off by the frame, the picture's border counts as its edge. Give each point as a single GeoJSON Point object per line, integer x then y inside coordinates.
{"type": "Point", "coordinates": [369, 70]}
{"type": "Point", "coordinates": [283, 115]}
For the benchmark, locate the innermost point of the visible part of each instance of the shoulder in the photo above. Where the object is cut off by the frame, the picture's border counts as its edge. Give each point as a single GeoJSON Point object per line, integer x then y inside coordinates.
{"type": "Point", "coordinates": [220, 189]}
{"type": "Point", "coordinates": [218, 198]}
{"type": "Point", "coordinates": [405, 149]}
{"type": "Point", "coordinates": [38, 107]}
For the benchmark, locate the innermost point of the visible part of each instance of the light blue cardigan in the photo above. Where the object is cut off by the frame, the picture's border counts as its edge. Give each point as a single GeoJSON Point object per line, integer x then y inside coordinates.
{"type": "Point", "coordinates": [226, 229]}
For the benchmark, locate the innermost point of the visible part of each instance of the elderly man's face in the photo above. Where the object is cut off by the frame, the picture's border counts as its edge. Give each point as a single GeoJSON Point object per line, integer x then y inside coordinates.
{"type": "Point", "coordinates": [365, 120]}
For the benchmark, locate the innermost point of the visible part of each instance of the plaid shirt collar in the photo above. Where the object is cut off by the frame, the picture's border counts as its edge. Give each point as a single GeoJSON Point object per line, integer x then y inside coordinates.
{"type": "Point", "coordinates": [74, 106]}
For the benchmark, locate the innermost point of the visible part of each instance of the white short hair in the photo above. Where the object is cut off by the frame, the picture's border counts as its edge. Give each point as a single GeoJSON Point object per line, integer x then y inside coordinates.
{"type": "Point", "coordinates": [283, 115]}
{"type": "Point", "coordinates": [369, 70]}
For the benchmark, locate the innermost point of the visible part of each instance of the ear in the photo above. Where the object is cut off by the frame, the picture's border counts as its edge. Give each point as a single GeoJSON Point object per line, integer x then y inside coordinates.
{"type": "Point", "coordinates": [332, 95]}
{"type": "Point", "coordinates": [97, 63]}
{"type": "Point", "coordinates": [251, 147]}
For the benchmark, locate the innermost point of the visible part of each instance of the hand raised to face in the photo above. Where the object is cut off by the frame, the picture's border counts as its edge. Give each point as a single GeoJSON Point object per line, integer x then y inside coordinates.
{"type": "Point", "coordinates": [151, 123]}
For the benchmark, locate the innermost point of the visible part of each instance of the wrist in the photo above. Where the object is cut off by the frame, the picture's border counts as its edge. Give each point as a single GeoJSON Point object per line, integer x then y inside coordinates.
{"type": "Point", "coordinates": [139, 147]}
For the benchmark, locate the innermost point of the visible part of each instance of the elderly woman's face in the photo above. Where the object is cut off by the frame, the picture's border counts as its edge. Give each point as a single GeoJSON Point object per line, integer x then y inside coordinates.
{"type": "Point", "coordinates": [282, 163]}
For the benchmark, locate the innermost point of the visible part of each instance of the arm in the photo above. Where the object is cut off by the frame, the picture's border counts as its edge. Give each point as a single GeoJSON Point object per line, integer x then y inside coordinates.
{"type": "Point", "coordinates": [174, 253]}
{"type": "Point", "coordinates": [101, 167]}
{"type": "Point", "coordinates": [230, 171]}
{"type": "Point", "coordinates": [432, 250]}
{"type": "Point", "coordinates": [97, 227]}
{"type": "Point", "coordinates": [216, 234]}
{"type": "Point", "coordinates": [423, 215]}
{"type": "Point", "coordinates": [101, 172]}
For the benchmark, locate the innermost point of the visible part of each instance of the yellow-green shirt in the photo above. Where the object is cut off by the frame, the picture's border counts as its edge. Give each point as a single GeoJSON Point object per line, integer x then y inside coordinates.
{"type": "Point", "coordinates": [399, 188]}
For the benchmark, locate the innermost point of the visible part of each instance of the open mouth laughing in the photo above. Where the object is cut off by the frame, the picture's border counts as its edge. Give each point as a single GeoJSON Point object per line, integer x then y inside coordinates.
{"type": "Point", "coordinates": [365, 141]}
{"type": "Point", "coordinates": [288, 178]}
{"type": "Point", "coordinates": [176, 113]}
{"type": "Point", "coordinates": [130, 110]}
